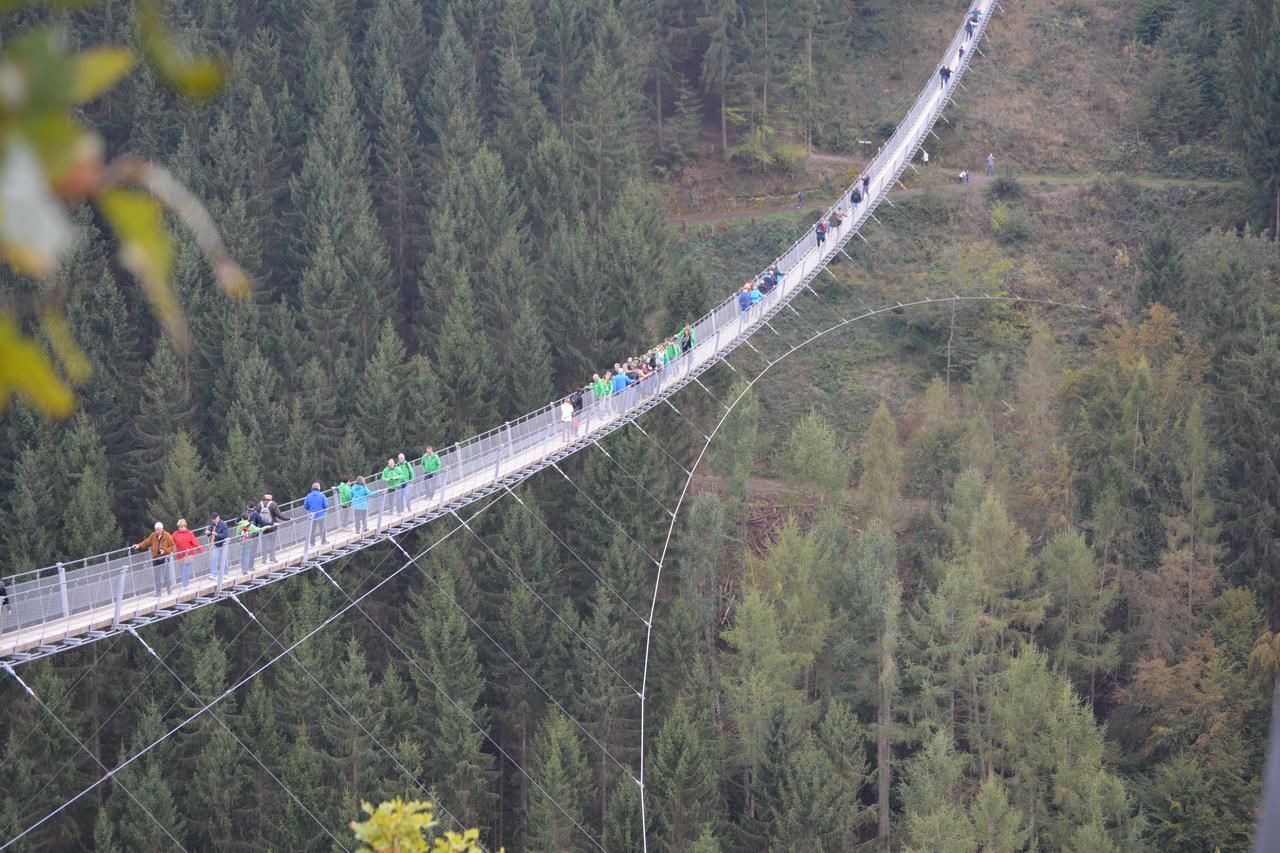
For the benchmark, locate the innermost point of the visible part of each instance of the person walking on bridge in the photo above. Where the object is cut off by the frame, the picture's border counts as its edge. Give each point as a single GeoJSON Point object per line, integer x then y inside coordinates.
{"type": "Point", "coordinates": [247, 532]}
{"type": "Point", "coordinates": [360, 504]}
{"type": "Point", "coordinates": [220, 553]}
{"type": "Point", "coordinates": [744, 297]}
{"type": "Point", "coordinates": [187, 547]}
{"type": "Point", "coordinates": [390, 484]}
{"type": "Point", "coordinates": [344, 501]}
{"type": "Point", "coordinates": [821, 231]}
{"type": "Point", "coordinates": [686, 339]}
{"type": "Point", "coordinates": [430, 466]}
{"type": "Point", "coordinates": [160, 544]}
{"type": "Point", "coordinates": [599, 387]}
{"type": "Point", "coordinates": [270, 516]}
{"type": "Point", "coordinates": [406, 477]}
{"type": "Point", "coordinates": [945, 73]}
{"type": "Point", "coordinates": [315, 503]}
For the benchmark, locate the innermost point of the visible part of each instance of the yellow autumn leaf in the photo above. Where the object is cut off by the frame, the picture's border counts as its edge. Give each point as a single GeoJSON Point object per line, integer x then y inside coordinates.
{"type": "Point", "coordinates": [146, 251]}
{"type": "Point", "coordinates": [26, 370]}
{"type": "Point", "coordinates": [95, 71]}
{"type": "Point", "coordinates": [197, 78]}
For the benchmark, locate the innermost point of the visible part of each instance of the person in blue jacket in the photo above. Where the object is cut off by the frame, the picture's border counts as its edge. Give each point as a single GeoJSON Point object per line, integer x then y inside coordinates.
{"type": "Point", "coordinates": [316, 503]}
{"type": "Point", "coordinates": [620, 381]}
{"type": "Point", "coordinates": [744, 298]}
{"type": "Point", "coordinates": [360, 504]}
{"type": "Point", "coordinates": [219, 553]}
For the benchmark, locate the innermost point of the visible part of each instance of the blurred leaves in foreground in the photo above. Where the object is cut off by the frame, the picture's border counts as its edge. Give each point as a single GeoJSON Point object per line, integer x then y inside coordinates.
{"type": "Point", "coordinates": [50, 163]}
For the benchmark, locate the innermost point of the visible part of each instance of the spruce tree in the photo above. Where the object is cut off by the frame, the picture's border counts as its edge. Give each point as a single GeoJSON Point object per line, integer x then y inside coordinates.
{"type": "Point", "coordinates": [881, 466]}
{"type": "Point", "coordinates": [240, 476]}
{"type": "Point", "coordinates": [185, 490]}
{"type": "Point", "coordinates": [604, 132]}
{"type": "Point", "coordinates": [1162, 277]}
{"type": "Point", "coordinates": [561, 771]}
{"type": "Point", "coordinates": [165, 409]}
{"type": "Point", "coordinates": [89, 522]}
{"type": "Point", "coordinates": [468, 367]}
{"type": "Point", "coordinates": [683, 785]}
{"type": "Point", "coordinates": [622, 829]}
{"type": "Point", "coordinates": [398, 181]}
{"type": "Point", "coordinates": [380, 403]}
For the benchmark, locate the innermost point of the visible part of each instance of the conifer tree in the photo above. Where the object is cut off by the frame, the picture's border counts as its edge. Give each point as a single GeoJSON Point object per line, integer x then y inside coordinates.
{"type": "Point", "coordinates": [27, 537]}
{"type": "Point", "coordinates": [468, 367]}
{"type": "Point", "coordinates": [164, 410]}
{"type": "Point", "coordinates": [561, 771]}
{"type": "Point", "coordinates": [881, 466]}
{"type": "Point", "coordinates": [449, 687]}
{"type": "Point", "coordinates": [529, 371]}
{"type": "Point", "coordinates": [604, 132]}
{"type": "Point", "coordinates": [185, 488]}
{"type": "Point", "coordinates": [148, 782]}
{"type": "Point", "coordinates": [450, 97]}
{"type": "Point", "coordinates": [683, 785]}
{"type": "Point", "coordinates": [239, 476]}
{"type": "Point", "coordinates": [352, 754]}
{"type": "Point", "coordinates": [520, 117]}
{"type": "Point", "coordinates": [381, 399]}
{"type": "Point", "coordinates": [398, 181]}
{"type": "Point", "coordinates": [89, 524]}
{"type": "Point", "coordinates": [1079, 604]}
{"type": "Point", "coordinates": [1162, 276]}
{"type": "Point", "coordinates": [622, 829]}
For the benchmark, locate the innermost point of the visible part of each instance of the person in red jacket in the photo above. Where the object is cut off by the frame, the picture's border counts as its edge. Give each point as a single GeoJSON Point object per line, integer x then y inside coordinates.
{"type": "Point", "coordinates": [188, 546]}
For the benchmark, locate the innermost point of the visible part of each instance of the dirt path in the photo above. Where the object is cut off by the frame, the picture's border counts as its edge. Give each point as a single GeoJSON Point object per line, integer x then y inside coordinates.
{"type": "Point", "coordinates": [817, 205]}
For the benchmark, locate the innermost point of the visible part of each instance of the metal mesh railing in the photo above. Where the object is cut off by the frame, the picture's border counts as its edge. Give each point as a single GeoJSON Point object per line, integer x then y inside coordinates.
{"type": "Point", "coordinates": [44, 604]}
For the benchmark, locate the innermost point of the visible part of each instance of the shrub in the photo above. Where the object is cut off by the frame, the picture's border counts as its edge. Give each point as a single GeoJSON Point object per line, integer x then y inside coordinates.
{"type": "Point", "coordinates": [1006, 188]}
{"type": "Point", "coordinates": [1009, 225]}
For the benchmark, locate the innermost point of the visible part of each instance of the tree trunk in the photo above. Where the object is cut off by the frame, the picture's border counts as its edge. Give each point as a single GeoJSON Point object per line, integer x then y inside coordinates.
{"type": "Point", "coordinates": [884, 760]}
{"type": "Point", "coordinates": [657, 103]}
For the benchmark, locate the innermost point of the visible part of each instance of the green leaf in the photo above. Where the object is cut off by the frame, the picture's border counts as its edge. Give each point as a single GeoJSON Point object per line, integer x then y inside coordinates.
{"type": "Point", "coordinates": [97, 70]}
{"type": "Point", "coordinates": [34, 227]}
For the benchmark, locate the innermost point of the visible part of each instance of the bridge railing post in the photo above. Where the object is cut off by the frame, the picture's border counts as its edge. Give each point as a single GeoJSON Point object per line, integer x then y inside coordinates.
{"type": "Point", "coordinates": [173, 575]}
{"type": "Point", "coordinates": [115, 619]}
{"type": "Point", "coordinates": [62, 590]}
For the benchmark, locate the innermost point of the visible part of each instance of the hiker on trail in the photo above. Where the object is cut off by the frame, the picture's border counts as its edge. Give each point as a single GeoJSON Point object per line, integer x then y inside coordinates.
{"type": "Point", "coordinates": [599, 387]}
{"type": "Point", "coordinates": [686, 339]}
{"type": "Point", "coordinates": [220, 553]}
{"type": "Point", "coordinates": [316, 503]}
{"type": "Point", "coordinates": [799, 200]}
{"type": "Point", "coordinates": [360, 505]}
{"type": "Point", "coordinates": [160, 544]}
{"type": "Point", "coordinates": [271, 516]}
{"type": "Point", "coordinates": [964, 176]}
{"type": "Point", "coordinates": [991, 164]}
{"type": "Point", "coordinates": [744, 297]}
{"type": "Point", "coordinates": [406, 477]}
{"type": "Point", "coordinates": [344, 501]}
{"type": "Point", "coordinates": [187, 547]}
{"type": "Point", "coordinates": [924, 157]}
{"type": "Point", "coordinates": [246, 531]}
{"type": "Point", "coordinates": [821, 231]}
{"type": "Point", "coordinates": [430, 465]}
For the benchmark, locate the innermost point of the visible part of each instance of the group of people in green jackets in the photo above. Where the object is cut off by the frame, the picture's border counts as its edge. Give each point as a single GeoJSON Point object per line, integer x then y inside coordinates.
{"type": "Point", "coordinates": [396, 479]}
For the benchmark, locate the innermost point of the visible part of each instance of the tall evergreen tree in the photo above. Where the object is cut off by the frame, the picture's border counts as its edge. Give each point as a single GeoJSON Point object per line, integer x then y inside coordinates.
{"type": "Point", "coordinates": [562, 773]}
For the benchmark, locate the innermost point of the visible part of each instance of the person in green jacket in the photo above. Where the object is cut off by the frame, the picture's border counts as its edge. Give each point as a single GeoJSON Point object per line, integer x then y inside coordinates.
{"type": "Point", "coordinates": [390, 483]}
{"type": "Point", "coordinates": [600, 387]}
{"type": "Point", "coordinates": [406, 477]}
{"type": "Point", "coordinates": [246, 530]}
{"type": "Point", "coordinates": [430, 465]}
{"type": "Point", "coordinates": [672, 350]}
{"type": "Point", "coordinates": [344, 500]}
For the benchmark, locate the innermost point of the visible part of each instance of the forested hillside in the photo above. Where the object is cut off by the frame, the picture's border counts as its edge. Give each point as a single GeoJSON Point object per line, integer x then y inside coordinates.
{"type": "Point", "coordinates": [980, 577]}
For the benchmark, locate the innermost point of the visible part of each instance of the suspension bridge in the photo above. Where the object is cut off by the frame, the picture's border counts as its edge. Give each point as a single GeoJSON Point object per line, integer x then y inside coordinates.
{"type": "Point", "coordinates": [74, 603]}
